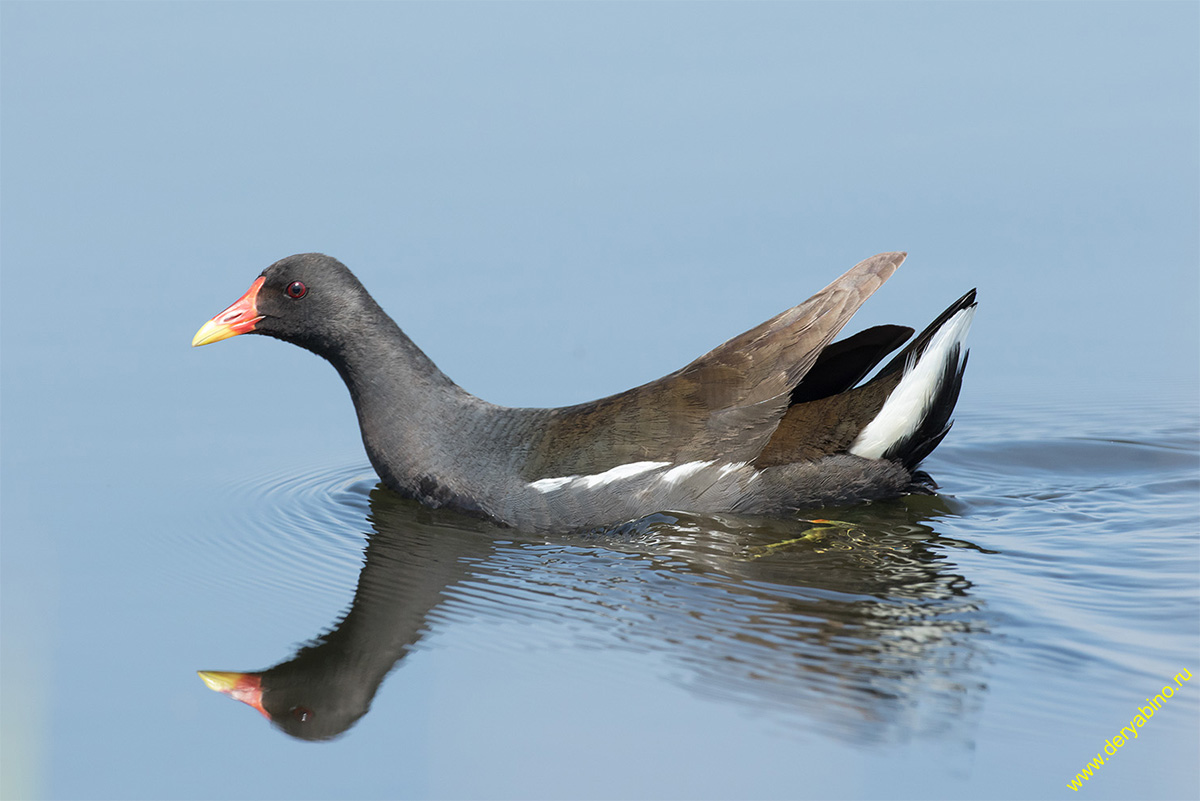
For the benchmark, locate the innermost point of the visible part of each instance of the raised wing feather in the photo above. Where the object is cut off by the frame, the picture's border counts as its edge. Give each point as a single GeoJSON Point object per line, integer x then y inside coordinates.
{"type": "Point", "coordinates": [724, 405]}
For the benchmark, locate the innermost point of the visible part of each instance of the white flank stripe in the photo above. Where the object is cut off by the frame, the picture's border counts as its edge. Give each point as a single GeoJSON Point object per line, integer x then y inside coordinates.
{"type": "Point", "coordinates": [909, 402]}
{"type": "Point", "coordinates": [621, 471]}
{"type": "Point", "coordinates": [676, 474]}
{"type": "Point", "coordinates": [552, 484]}
{"type": "Point", "coordinates": [599, 479]}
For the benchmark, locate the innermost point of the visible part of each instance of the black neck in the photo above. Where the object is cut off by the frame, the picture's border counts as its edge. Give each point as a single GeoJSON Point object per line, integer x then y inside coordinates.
{"type": "Point", "coordinates": [413, 418]}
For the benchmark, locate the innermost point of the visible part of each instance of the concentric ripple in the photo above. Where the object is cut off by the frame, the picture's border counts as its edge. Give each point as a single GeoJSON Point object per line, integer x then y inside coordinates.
{"type": "Point", "coordinates": [287, 530]}
{"type": "Point", "coordinates": [873, 622]}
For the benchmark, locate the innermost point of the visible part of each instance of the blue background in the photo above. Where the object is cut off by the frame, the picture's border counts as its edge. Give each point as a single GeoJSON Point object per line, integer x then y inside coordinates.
{"type": "Point", "coordinates": [556, 202]}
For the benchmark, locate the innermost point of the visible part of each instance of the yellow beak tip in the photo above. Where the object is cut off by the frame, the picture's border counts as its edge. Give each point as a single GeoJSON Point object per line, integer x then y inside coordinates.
{"type": "Point", "coordinates": [212, 332]}
{"type": "Point", "coordinates": [218, 680]}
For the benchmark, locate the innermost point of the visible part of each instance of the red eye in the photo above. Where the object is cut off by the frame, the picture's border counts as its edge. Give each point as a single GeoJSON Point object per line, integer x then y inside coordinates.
{"type": "Point", "coordinates": [296, 290]}
{"type": "Point", "coordinates": [298, 712]}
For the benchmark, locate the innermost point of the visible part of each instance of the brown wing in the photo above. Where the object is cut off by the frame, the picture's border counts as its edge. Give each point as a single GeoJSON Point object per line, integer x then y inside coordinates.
{"type": "Point", "coordinates": [725, 405]}
{"type": "Point", "coordinates": [812, 429]}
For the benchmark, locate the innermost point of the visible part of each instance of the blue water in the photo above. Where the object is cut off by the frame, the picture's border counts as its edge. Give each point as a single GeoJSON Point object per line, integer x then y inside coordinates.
{"type": "Point", "coordinates": [558, 202]}
{"type": "Point", "coordinates": [918, 648]}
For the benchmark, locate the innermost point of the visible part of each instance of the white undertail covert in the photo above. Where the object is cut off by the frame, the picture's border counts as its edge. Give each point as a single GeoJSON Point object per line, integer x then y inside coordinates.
{"type": "Point", "coordinates": [912, 398]}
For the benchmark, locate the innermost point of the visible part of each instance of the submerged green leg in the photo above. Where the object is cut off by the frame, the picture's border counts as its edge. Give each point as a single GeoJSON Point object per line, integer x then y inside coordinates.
{"type": "Point", "coordinates": [815, 533]}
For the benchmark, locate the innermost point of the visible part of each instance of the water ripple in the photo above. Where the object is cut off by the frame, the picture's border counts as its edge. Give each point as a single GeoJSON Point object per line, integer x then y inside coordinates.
{"type": "Point", "coordinates": [291, 531]}
{"type": "Point", "coordinates": [878, 621]}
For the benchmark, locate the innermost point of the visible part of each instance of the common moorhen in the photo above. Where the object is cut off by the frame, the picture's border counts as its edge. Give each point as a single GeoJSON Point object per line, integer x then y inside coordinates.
{"type": "Point", "coordinates": [772, 421]}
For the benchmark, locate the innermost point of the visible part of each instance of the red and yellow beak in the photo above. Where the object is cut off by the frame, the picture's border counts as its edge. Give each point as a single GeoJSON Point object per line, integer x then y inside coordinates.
{"type": "Point", "coordinates": [244, 687]}
{"type": "Point", "coordinates": [237, 319]}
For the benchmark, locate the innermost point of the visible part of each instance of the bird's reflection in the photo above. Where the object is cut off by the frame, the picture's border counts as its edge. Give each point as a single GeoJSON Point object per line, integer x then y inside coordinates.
{"type": "Point", "coordinates": [858, 625]}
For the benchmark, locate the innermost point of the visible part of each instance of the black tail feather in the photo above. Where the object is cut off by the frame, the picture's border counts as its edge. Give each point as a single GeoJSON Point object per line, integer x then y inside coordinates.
{"type": "Point", "coordinates": [918, 345]}
{"type": "Point", "coordinates": [911, 450]}
{"type": "Point", "coordinates": [844, 363]}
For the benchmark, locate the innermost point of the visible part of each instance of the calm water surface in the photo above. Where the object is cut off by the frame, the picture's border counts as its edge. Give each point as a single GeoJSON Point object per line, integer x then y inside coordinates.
{"type": "Point", "coordinates": [985, 642]}
{"type": "Point", "coordinates": [558, 202]}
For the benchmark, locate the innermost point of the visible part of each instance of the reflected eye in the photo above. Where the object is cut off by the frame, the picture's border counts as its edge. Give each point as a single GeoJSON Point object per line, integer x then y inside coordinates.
{"type": "Point", "coordinates": [302, 714]}
{"type": "Point", "coordinates": [297, 290]}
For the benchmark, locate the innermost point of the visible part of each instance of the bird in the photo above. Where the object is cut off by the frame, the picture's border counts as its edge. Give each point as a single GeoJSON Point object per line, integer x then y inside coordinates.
{"type": "Point", "coordinates": [774, 421]}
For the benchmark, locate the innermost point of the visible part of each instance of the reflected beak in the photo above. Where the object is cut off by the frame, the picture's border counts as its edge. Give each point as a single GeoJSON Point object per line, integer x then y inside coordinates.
{"type": "Point", "coordinates": [244, 687]}
{"type": "Point", "coordinates": [237, 319]}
